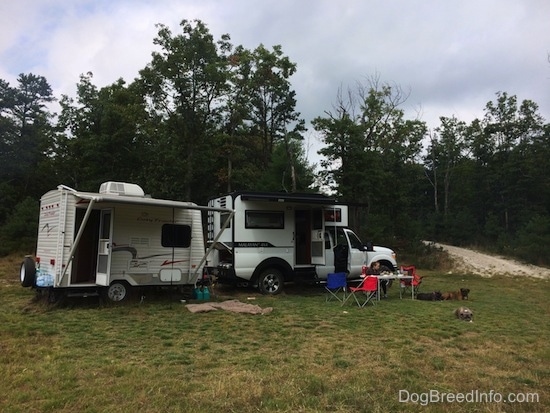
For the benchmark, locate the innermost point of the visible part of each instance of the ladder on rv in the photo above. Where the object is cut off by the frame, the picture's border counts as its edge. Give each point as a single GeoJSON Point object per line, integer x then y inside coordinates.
{"type": "Point", "coordinates": [60, 250]}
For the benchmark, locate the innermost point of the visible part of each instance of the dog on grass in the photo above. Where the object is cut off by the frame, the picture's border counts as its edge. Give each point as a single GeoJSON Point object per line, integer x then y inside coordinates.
{"type": "Point", "coordinates": [433, 296]}
{"type": "Point", "coordinates": [461, 294]}
{"type": "Point", "coordinates": [464, 313]}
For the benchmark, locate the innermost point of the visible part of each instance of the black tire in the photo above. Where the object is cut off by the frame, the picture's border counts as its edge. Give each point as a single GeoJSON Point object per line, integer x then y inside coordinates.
{"type": "Point", "coordinates": [118, 291]}
{"type": "Point", "coordinates": [271, 282]}
{"type": "Point", "coordinates": [28, 272]}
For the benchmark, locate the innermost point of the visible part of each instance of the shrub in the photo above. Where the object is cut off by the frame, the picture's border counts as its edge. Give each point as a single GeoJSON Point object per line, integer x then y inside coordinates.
{"type": "Point", "coordinates": [533, 241]}
{"type": "Point", "coordinates": [19, 231]}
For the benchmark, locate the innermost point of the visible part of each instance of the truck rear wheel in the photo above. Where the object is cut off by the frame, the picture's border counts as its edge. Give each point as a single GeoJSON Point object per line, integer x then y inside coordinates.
{"type": "Point", "coordinates": [27, 272]}
{"type": "Point", "coordinates": [271, 281]}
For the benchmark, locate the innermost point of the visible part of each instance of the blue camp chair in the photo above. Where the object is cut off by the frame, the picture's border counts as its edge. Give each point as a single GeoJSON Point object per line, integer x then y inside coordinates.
{"type": "Point", "coordinates": [336, 286]}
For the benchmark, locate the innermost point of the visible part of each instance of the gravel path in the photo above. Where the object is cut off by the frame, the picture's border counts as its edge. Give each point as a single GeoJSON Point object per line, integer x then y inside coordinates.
{"type": "Point", "coordinates": [489, 265]}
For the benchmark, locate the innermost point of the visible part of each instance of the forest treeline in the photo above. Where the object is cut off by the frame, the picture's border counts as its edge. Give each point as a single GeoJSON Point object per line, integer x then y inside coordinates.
{"type": "Point", "coordinates": [206, 117]}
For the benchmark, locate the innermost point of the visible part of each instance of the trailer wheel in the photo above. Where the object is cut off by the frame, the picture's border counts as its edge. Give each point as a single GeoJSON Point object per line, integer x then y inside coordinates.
{"type": "Point", "coordinates": [271, 281]}
{"type": "Point", "coordinates": [118, 291]}
{"type": "Point", "coordinates": [27, 272]}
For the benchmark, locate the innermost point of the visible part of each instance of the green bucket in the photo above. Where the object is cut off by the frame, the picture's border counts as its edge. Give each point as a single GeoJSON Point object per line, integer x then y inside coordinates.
{"type": "Point", "coordinates": [198, 294]}
{"type": "Point", "coordinates": [201, 293]}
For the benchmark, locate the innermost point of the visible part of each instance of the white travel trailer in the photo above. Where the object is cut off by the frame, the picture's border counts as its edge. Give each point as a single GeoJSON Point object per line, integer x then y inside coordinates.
{"type": "Point", "coordinates": [276, 237]}
{"type": "Point", "coordinates": [114, 240]}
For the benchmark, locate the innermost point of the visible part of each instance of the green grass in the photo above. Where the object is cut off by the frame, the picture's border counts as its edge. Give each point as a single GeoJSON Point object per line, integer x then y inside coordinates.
{"type": "Point", "coordinates": [305, 356]}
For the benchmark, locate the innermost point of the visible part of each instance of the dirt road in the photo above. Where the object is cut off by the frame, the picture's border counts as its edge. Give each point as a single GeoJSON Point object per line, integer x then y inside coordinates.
{"type": "Point", "coordinates": [489, 265]}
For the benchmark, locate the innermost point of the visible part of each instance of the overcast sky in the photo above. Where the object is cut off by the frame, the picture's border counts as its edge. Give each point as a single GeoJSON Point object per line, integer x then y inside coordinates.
{"type": "Point", "coordinates": [453, 56]}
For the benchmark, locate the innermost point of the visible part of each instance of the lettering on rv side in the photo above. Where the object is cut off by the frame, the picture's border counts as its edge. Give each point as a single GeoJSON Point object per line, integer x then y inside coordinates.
{"type": "Point", "coordinates": [254, 244]}
{"type": "Point", "coordinates": [145, 217]}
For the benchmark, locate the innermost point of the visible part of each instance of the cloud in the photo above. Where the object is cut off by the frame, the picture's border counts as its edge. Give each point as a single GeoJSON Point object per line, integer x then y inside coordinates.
{"type": "Point", "coordinates": [452, 56]}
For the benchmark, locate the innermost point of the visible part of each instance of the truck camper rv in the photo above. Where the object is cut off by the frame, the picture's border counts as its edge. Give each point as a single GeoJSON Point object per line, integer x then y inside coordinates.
{"type": "Point", "coordinates": [276, 237]}
{"type": "Point", "coordinates": [114, 240]}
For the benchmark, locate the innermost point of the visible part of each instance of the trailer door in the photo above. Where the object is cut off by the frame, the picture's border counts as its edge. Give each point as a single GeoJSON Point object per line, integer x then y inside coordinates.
{"type": "Point", "coordinates": [104, 248]}
{"type": "Point", "coordinates": [317, 237]}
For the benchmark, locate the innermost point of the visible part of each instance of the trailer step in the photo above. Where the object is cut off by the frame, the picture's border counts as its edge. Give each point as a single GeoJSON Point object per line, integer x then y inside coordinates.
{"type": "Point", "coordinates": [90, 293]}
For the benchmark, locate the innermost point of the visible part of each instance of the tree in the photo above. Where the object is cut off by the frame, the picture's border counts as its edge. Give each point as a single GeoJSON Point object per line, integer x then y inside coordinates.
{"type": "Point", "coordinates": [26, 140]}
{"type": "Point", "coordinates": [447, 147]}
{"type": "Point", "coordinates": [370, 153]}
{"type": "Point", "coordinates": [509, 130]}
{"type": "Point", "coordinates": [103, 137]}
{"type": "Point", "coordinates": [261, 110]}
{"type": "Point", "coordinates": [184, 85]}
{"type": "Point", "coordinates": [272, 103]}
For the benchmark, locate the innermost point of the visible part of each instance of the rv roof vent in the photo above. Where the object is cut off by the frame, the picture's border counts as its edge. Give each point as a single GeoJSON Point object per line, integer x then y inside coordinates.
{"type": "Point", "coordinates": [121, 188]}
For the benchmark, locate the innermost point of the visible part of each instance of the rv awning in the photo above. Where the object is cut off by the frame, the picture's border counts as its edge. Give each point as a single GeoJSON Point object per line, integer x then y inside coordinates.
{"type": "Point", "coordinates": [286, 197]}
{"type": "Point", "coordinates": [138, 200]}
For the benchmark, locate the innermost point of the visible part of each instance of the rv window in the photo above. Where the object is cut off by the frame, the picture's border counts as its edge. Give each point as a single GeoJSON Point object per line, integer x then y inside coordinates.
{"type": "Point", "coordinates": [265, 219]}
{"type": "Point", "coordinates": [176, 236]}
{"type": "Point", "coordinates": [317, 216]}
{"type": "Point", "coordinates": [333, 215]}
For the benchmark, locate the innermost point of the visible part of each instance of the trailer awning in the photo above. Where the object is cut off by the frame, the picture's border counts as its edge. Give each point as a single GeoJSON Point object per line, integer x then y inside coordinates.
{"type": "Point", "coordinates": [138, 200]}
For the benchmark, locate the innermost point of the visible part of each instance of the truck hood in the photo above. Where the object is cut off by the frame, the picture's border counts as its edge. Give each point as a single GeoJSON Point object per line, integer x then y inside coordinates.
{"type": "Point", "coordinates": [384, 250]}
{"type": "Point", "coordinates": [382, 253]}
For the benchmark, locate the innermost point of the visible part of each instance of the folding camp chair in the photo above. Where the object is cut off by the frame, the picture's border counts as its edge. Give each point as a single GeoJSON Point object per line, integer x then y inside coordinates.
{"type": "Point", "coordinates": [414, 283]}
{"type": "Point", "coordinates": [365, 292]}
{"type": "Point", "coordinates": [336, 286]}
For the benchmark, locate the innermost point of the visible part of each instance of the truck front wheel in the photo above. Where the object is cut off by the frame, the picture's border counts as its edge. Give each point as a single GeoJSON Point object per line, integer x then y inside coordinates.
{"type": "Point", "coordinates": [271, 281]}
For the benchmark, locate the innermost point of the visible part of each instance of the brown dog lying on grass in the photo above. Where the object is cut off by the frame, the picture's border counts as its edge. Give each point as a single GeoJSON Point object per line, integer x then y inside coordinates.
{"type": "Point", "coordinates": [433, 296]}
{"type": "Point", "coordinates": [464, 313]}
{"type": "Point", "coordinates": [462, 294]}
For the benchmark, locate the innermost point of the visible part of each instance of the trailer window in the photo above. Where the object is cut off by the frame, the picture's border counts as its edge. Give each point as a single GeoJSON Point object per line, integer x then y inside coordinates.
{"type": "Point", "coordinates": [264, 219]}
{"type": "Point", "coordinates": [176, 236]}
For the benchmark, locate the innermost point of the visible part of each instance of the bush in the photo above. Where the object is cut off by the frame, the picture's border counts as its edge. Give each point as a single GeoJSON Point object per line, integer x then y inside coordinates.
{"type": "Point", "coordinates": [19, 231]}
{"type": "Point", "coordinates": [533, 241]}
{"type": "Point", "coordinates": [424, 255]}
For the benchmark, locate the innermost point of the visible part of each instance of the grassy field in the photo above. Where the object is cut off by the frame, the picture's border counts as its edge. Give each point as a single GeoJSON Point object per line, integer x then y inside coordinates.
{"type": "Point", "coordinates": [305, 356]}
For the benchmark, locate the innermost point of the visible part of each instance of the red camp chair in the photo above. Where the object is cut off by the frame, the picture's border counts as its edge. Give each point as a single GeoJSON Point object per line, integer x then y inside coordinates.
{"type": "Point", "coordinates": [365, 292]}
{"type": "Point", "coordinates": [414, 283]}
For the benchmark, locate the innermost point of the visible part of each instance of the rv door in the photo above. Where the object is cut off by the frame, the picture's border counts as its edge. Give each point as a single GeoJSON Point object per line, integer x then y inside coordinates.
{"type": "Point", "coordinates": [318, 237]}
{"type": "Point", "coordinates": [104, 248]}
